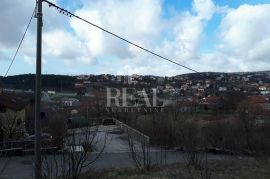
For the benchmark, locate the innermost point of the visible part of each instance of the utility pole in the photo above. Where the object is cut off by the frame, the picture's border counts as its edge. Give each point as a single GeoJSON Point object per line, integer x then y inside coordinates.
{"type": "Point", "coordinates": [87, 111]}
{"type": "Point", "coordinates": [38, 91]}
{"type": "Point", "coordinates": [1, 85]}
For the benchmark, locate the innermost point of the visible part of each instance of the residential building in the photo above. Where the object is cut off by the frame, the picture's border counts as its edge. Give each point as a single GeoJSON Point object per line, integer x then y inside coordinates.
{"type": "Point", "coordinates": [222, 89]}
{"type": "Point", "coordinates": [71, 102]}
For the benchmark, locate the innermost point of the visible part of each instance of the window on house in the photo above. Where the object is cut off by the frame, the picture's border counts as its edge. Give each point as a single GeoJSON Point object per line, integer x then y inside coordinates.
{"type": "Point", "coordinates": [3, 109]}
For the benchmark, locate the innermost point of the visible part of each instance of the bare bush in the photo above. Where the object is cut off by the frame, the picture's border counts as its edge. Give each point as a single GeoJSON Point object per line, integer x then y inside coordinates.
{"type": "Point", "coordinates": [223, 134]}
{"type": "Point", "coordinates": [57, 127]}
{"type": "Point", "coordinates": [76, 156]}
{"type": "Point", "coordinates": [247, 113]}
{"type": "Point", "coordinates": [11, 124]}
{"type": "Point", "coordinates": [140, 151]}
{"type": "Point", "coordinates": [4, 159]}
{"type": "Point", "coordinates": [261, 145]}
{"type": "Point", "coordinates": [194, 145]}
{"type": "Point", "coordinates": [190, 142]}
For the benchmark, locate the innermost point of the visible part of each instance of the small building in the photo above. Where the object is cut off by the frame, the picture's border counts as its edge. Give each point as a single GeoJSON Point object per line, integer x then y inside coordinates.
{"type": "Point", "coordinates": [70, 102]}
{"type": "Point", "coordinates": [210, 102]}
{"type": "Point", "coordinates": [222, 89]}
{"type": "Point", "coordinates": [51, 92]}
{"type": "Point", "coordinates": [168, 86]}
{"type": "Point", "coordinates": [262, 88]}
{"type": "Point", "coordinates": [200, 89]}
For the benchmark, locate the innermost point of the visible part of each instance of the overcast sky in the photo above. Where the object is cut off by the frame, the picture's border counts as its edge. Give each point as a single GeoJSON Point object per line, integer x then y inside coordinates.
{"type": "Point", "coordinates": [206, 35]}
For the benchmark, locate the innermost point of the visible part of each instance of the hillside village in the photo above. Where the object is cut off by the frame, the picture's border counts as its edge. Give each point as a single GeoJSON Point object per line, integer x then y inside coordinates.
{"type": "Point", "coordinates": [206, 94]}
{"type": "Point", "coordinates": [198, 88]}
{"type": "Point", "coordinates": [190, 89]}
{"type": "Point", "coordinates": [135, 89]}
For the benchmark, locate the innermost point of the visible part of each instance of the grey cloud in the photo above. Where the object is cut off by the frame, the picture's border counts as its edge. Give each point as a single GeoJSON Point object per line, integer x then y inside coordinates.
{"type": "Point", "coordinates": [13, 17]}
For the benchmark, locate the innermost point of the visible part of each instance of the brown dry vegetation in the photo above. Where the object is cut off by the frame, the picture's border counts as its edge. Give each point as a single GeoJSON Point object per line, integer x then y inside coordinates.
{"type": "Point", "coordinates": [232, 131]}
{"type": "Point", "coordinates": [236, 169]}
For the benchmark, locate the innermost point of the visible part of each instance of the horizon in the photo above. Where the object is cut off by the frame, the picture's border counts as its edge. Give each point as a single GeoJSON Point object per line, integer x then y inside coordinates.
{"type": "Point", "coordinates": [264, 71]}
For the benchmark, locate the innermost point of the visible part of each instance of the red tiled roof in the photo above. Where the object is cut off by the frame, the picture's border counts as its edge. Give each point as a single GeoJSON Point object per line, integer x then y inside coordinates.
{"type": "Point", "coordinates": [257, 99]}
{"type": "Point", "coordinates": [212, 99]}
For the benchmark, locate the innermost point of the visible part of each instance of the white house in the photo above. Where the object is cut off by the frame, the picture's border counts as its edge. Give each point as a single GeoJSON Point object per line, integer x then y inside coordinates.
{"type": "Point", "coordinates": [222, 88]}
{"type": "Point", "coordinates": [262, 88]}
{"type": "Point", "coordinates": [70, 102]}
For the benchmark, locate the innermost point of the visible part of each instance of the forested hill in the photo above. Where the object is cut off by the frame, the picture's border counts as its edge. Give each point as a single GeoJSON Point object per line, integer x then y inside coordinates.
{"type": "Point", "coordinates": [49, 82]}
{"type": "Point", "coordinates": [66, 83]}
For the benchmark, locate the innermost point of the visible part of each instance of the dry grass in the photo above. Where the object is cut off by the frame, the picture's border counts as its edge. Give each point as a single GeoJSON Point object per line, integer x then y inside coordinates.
{"type": "Point", "coordinates": [244, 169]}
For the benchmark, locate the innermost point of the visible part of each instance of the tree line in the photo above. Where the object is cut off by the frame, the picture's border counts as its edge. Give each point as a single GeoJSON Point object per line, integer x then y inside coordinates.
{"type": "Point", "coordinates": [50, 82]}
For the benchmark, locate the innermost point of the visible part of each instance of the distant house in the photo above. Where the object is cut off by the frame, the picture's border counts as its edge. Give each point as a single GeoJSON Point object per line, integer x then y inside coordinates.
{"type": "Point", "coordinates": [210, 102]}
{"type": "Point", "coordinates": [189, 82]}
{"type": "Point", "coordinates": [79, 85]}
{"type": "Point", "coordinates": [245, 79]}
{"type": "Point", "coordinates": [168, 86]}
{"type": "Point", "coordinates": [262, 88]}
{"type": "Point", "coordinates": [200, 89]}
{"type": "Point", "coordinates": [261, 102]}
{"type": "Point", "coordinates": [135, 76]}
{"type": "Point", "coordinates": [254, 84]}
{"type": "Point", "coordinates": [188, 105]}
{"type": "Point", "coordinates": [119, 78]}
{"type": "Point", "coordinates": [258, 99]}
{"type": "Point", "coordinates": [70, 102]}
{"type": "Point", "coordinates": [219, 78]}
{"type": "Point", "coordinates": [159, 87]}
{"type": "Point", "coordinates": [80, 88]}
{"type": "Point", "coordinates": [236, 89]}
{"type": "Point", "coordinates": [51, 92]}
{"type": "Point", "coordinates": [207, 85]}
{"type": "Point", "coordinates": [222, 89]}
{"type": "Point", "coordinates": [83, 77]}
{"type": "Point", "coordinates": [207, 81]}
{"type": "Point", "coordinates": [184, 87]}
{"type": "Point", "coordinates": [12, 116]}
{"type": "Point", "coordinates": [127, 79]}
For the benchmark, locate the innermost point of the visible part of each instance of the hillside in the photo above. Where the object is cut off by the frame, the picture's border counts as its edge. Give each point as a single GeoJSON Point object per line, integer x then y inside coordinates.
{"type": "Point", "coordinates": [27, 81]}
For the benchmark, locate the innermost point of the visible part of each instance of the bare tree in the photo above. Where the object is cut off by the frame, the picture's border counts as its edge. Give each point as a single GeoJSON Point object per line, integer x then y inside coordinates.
{"type": "Point", "coordinates": [11, 123]}
{"type": "Point", "coordinates": [4, 157]}
{"type": "Point", "coordinates": [77, 154]}
{"type": "Point", "coordinates": [57, 127]}
{"type": "Point", "coordinates": [3, 160]}
{"type": "Point", "coordinates": [139, 150]}
{"type": "Point", "coordinates": [196, 156]}
{"type": "Point", "coordinates": [247, 112]}
{"type": "Point", "coordinates": [94, 106]}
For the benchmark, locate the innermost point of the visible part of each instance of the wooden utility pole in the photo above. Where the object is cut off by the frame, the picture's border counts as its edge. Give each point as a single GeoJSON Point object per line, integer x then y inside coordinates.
{"type": "Point", "coordinates": [38, 162]}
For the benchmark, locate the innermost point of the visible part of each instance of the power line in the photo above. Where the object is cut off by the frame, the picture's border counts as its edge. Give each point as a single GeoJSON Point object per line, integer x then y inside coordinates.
{"type": "Point", "coordinates": [27, 27]}
{"type": "Point", "coordinates": [70, 14]}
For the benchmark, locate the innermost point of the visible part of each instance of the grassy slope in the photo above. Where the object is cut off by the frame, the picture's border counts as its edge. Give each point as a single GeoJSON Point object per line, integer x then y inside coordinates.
{"type": "Point", "coordinates": [218, 170]}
